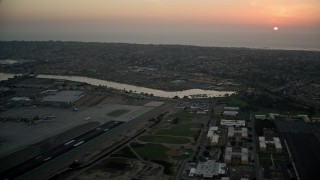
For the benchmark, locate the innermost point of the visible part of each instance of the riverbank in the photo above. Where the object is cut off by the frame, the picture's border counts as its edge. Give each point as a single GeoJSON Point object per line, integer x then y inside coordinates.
{"type": "Point", "coordinates": [161, 83]}
{"type": "Point", "coordinates": [194, 93]}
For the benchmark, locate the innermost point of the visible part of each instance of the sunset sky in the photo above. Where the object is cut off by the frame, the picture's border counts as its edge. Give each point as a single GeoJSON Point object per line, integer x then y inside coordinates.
{"type": "Point", "coordinates": [199, 22]}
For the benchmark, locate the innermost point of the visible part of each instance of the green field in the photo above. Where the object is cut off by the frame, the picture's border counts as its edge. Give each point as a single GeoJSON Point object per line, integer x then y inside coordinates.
{"type": "Point", "coordinates": [151, 151]}
{"type": "Point", "coordinates": [185, 115]}
{"type": "Point", "coordinates": [188, 130]}
{"type": "Point", "coordinates": [235, 101]}
{"type": "Point", "coordinates": [125, 152]}
{"type": "Point", "coordinates": [265, 162]}
{"type": "Point", "coordinates": [278, 163]}
{"type": "Point", "coordinates": [164, 139]}
{"type": "Point", "coordinates": [117, 113]}
{"type": "Point", "coordinates": [264, 156]}
{"type": "Point", "coordinates": [103, 164]}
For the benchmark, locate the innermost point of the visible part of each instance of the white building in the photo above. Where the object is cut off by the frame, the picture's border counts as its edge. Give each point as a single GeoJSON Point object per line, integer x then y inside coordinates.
{"type": "Point", "coordinates": [210, 169]}
{"type": "Point", "coordinates": [21, 99]}
{"type": "Point", "coordinates": [275, 142]}
{"type": "Point", "coordinates": [192, 172]}
{"type": "Point", "coordinates": [273, 115]}
{"type": "Point", "coordinates": [237, 123]}
{"type": "Point", "coordinates": [243, 155]}
{"type": "Point", "coordinates": [242, 132]}
{"type": "Point", "coordinates": [261, 117]}
{"type": "Point", "coordinates": [230, 113]}
{"type": "Point", "coordinates": [212, 135]}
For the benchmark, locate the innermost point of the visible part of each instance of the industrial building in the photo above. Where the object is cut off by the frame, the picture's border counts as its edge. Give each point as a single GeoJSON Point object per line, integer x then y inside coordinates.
{"type": "Point", "coordinates": [208, 169]}
{"type": "Point", "coordinates": [212, 135]}
{"type": "Point", "coordinates": [230, 154]}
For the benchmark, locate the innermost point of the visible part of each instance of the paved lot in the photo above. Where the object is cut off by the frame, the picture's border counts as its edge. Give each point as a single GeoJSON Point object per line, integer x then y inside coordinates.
{"type": "Point", "coordinates": [16, 135]}
{"type": "Point", "coordinates": [92, 149]}
{"type": "Point", "coordinates": [26, 166]}
{"type": "Point", "coordinates": [305, 151]}
{"type": "Point", "coordinates": [297, 127]}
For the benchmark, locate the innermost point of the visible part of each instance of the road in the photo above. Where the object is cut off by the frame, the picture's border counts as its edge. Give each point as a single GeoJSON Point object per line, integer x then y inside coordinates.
{"type": "Point", "coordinates": [30, 164]}
{"type": "Point", "coordinates": [204, 129]}
{"type": "Point", "coordinates": [256, 161]}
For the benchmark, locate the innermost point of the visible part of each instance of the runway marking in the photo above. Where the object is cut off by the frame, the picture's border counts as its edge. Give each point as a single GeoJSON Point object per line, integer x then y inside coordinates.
{"type": "Point", "coordinates": [67, 143]}
{"type": "Point", "coordinates": [38, 157]}
{"type": "Point", "coordinates": [46, 159]}
{"type": "Point", "coordinates": [78, 143]}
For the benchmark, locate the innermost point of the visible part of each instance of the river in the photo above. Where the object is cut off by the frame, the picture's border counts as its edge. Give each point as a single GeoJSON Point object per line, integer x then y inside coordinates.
{"type": "Point", "coordinates": [135, 89]}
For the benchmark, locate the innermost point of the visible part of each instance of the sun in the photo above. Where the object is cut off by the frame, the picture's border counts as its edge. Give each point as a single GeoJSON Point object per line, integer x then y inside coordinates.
{"type": "Point", "coordinates": [275, 28]}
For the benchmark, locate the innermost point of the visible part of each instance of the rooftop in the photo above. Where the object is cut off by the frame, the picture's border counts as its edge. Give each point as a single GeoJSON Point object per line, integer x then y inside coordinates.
{"type": "Point", "coordinates": [210, 168]}
{"type": "Point", "coordinates": [225, 122]}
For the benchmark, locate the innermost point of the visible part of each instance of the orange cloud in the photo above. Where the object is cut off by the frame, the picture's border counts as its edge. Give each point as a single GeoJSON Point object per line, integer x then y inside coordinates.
{"type": "Point", "coordinates": [260, 12]}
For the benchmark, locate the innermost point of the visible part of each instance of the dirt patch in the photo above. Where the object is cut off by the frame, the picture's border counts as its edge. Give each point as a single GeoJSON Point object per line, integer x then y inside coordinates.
{"type": "Point", "coordinates": [117, 113]}
{"type": "Point", "coordinates": [172, 153]}
{"type": "Point", "coordinates": [133, 169]}
{"type": "Point", "coordinates": [194, 129]}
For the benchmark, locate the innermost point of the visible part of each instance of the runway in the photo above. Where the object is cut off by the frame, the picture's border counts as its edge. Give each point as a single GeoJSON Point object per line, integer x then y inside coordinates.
{"type": "Point", "coordinates": [35, 162]}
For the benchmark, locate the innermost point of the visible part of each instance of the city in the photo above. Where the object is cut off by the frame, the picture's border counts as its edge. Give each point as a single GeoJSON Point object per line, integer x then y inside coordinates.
{"type": "Point", "coordinates": [59, 128]}
{"type": "Point", "coordinates": [159, 90]}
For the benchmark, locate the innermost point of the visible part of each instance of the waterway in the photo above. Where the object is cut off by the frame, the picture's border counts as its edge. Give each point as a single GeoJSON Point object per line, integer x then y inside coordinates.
{"type": "Point", "coordinates": [135, 89]}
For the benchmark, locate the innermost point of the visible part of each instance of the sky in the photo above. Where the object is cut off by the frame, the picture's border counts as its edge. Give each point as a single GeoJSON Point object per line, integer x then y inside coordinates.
{"type": "Point", "coordinates": [236, 23]}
